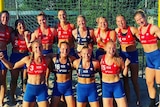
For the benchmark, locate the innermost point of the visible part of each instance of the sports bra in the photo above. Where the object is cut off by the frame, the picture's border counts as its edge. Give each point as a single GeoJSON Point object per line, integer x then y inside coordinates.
{"type": "Point", "coordinates": [4, 36]}
{"type": "Point", "coordinates": [147, 38]}
{"type": "Point", "coordinates": [64, 34]}
{"type": "Point", "coordinates": [62, 68]}
{"type": "Point", "coordinates": [84, 41]}
{"type": "Point", "coordinates": [109, 69]}
{"type": "Point", "coordinates": [126, 38]}
{"type": "Point", "coordinates": [19, 44]}
{"type": "Point", "coordinates": [36, 69]}
{"type": "Point", "coordinates": [46, 39]}
{"type": "Point", "coordinates": [103, 40]}
{"type": "Point", "coordinates": [86, 73]}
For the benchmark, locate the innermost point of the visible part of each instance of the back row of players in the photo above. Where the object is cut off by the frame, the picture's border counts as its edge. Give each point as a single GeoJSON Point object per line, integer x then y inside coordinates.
{"type": "Point", "coordinates": [85, 37]}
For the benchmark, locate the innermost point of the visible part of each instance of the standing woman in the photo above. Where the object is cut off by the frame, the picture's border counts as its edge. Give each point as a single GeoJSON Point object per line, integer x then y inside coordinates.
{"type": "Point", "coordinates": [64, 29]}
{"type": "Point", "coordinates": [103, 34]}
{"type": "Point", "coordinates": [37, 65]}
{"type": "Point", "coordinates": [149, 35]}
{"type": "Point", "coordinates": [63, 76]}
{"type": "Point", "coordinates": [127, 39]}
{"type": "Point", "coordinates": [86, 89]}
{"type": "Point", "coordinates": [19, 50]}
{"type": "Point", "coordinates": [83, 35]}
{"type": "Point", "coordinates": [111, 66]}
{"type": "Point", "coordinates": [46, 35]}
{"type": "Point", "coordinates": [5, 32]}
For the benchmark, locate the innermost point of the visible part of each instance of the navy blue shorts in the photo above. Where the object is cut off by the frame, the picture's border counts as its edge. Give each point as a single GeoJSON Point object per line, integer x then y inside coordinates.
{"type": "Point", "coordinates": [87, 92]}
{"type": "Point", "coordinates": [45, 52]}
{"type": "Point", "coordinates": [63, 89]}
{"type": "Point", "coordinates": [36, 93]}
{"type": "Point", "coordinates": [153, 59]}
{"type": "Point", "coordinates": [16, 57]}
{"type": "Point", "coordinates": [113, 90]}
{"type": "Point", "coordinates": [2, 66]}
{"type": "Point", "coordinates": [100, 52]}
{"type": "Point", "coordinates": [132, 56]}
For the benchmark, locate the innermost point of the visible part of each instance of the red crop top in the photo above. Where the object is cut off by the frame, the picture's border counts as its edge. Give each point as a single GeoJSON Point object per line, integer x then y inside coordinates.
{"type": "Point", "coordinates": [4, 36]}
{"type": "Point", "coordinates": [126, 38]}
{"type": "Point", "coordinates": [64, 34]}
{"type": "Point", "coordinates": [147, 38]}
{"type": "Point", "coordinates": [103, 40]}
{"type": "Point", "coordinates": [36, 69]}
{"type": "Point", "coordinates": [109, 69]}
{"type": "Point", "coordinates": [46, 39]}
{"type": "Point", "coordinates": [19, 44]}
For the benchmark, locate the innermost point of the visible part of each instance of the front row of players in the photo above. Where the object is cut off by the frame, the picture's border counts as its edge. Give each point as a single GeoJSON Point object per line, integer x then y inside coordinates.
{"type": "Point", "coordinates": [37, 64]}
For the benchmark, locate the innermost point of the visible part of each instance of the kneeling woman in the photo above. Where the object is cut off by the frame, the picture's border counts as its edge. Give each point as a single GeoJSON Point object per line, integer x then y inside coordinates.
{"type": "Point", "coordinates": [37, 64]}
{"type": "Point", "coordinates": [86, 88]}
{"type": "Point", "coordinates": [111, 65]}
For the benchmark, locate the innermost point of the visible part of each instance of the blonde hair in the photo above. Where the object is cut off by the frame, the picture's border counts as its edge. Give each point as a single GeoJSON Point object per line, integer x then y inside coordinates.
{"type": "Point", "coordinates": [102, 17]}
{"type": "Point", "coordinates": [42, 14]}
{"type": "Point", "coordinates": [141, 12]}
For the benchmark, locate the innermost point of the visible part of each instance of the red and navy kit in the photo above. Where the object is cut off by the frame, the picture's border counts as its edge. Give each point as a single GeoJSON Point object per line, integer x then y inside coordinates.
{"type": "Point", "coordinates": [64, 34]}
{"type": "Point", "coordinates": [109, 69]}
{"type": "Point", "coordinates": [5, 36]}
{"type": "Point", "coordinates": [46, 39]}
{"type": "Point", "coordinates": [19, 44]}
{"type": "Point", "coordinates": [147, 38]}
{"type": "Point", "coordinates": [36, 69]}
{"type": "Point", "coordinates": [103, 40]}
{"type": "Point", "coordinates": [127, 38]}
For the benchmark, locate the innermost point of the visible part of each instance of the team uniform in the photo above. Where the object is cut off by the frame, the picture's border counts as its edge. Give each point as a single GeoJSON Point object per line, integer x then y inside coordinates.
{"type": "Point", "coordinates": [128, 39]}
{"type": "Point", "coordinates": [46, 39]}
{"type": "Point", "coordinates": [100, 50]}
{"type": "Point", "coordinates": [19, 45]}
{"type": "Point", "coordinates": [86, 92]}
{"type": "Point", "coordinates": [4, 37]}
{"type": "Point", "coordinates": [64, 88]}
{"type": "Point", "coordinates": [152, 59]}
{"type": "Point", "coordinates": [84, 41]}
{"type": "Point", "coordinates": [66, 34]}
{"type": "Point", "coordinates": [36, 92]}
{"type": "Point", "coordinates": [111, 90]}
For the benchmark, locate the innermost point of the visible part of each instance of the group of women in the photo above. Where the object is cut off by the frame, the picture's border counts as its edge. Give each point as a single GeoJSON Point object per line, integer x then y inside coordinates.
{"type": "Point", "coordinates": [32, 53]}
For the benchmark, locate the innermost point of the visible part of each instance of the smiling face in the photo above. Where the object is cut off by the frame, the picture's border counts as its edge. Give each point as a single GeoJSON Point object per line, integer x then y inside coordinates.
{"type": "Point", "coordinates": [121, 22]}
{"type": "Point", "coordinates": [20, 25]}
{"type": "Point", "coordinates": [4, 18]}
{"type": "Point", "coordinates": [81, 22]}
{"type": "Point", "coordinates": [110, 49]}
{"type": "Point", "coordinates": [41, 20]}
{"type": "Point", "coordinates": [64, 49]}
{"type": "Point", "coordinates": [102, 23]}
{"type": "Point", "coordinates": [140, 19]}
{"type": "Point", "coordinates": [86, 54]}
{"type": "Point", "coordinates": [36, 48]}
{"type": "Point", "coordinates": [62, 16]}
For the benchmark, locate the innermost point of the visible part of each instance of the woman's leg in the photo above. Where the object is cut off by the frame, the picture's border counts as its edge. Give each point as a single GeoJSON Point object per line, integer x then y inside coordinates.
{"type": "Point", "coordinates": [55, 101]}
{"type": "Point", "coordinates": [70, 101]}
{"type": "Point", "coordinates": [150, 77]}
{"type": "Point", "coordinates": [94, 104]}
{"type": "Point", "coordinates": [2, 85]}
{"type": "Point", "coordinates": [134, 78]}
{"type": "Point", "coordinates": [13, 84]}
{"type": "Point", "coordinates": [107, 102]}
{"type": "Point", "coordinates": [43, 104]}
{"type": "Point", "coordinates": [121, 102]}
{"type": "Point", "coordinates": [28, 104]}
